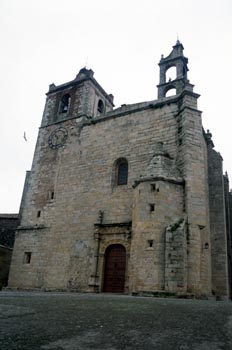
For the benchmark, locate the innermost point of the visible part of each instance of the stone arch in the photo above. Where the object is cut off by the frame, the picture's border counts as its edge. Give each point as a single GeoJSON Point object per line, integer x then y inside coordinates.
{"type": "Point", "coordinates": [64, 103]}
{"type": "Point", "coordinates": [170, 72]}
{"type": "Point", "coordinates": [170, 88]}
{"type": "Point", "coordinates": [100, 107]}
{"type": "Point", "coordinates": [107, 243]}
{"type": "Point", "coordinates": [109, 238]}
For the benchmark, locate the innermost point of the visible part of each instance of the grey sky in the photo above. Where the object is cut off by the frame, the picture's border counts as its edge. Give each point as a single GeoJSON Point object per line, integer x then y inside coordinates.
{"type": "Point", "coordinates": [122, 41]}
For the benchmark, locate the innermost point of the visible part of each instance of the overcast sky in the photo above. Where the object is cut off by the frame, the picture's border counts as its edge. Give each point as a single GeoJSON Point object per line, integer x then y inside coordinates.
{"type": "Point", "coordinates": [49, 41]}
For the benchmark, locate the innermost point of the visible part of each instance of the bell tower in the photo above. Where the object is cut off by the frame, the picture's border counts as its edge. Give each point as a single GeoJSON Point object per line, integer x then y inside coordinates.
{"type": "Point", "coordinates": [175, 59]}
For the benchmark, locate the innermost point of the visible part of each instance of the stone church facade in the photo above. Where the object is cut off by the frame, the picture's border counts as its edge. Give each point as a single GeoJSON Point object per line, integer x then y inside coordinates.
{"type": "Point", "coordinates": [126, 200]}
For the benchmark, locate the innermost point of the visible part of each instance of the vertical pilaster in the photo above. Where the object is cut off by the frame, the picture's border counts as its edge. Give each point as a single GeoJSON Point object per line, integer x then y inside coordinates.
{"type": "Point", "coordinates": [192, 160]}
{"type": "Point", "coordinates": [218, 225]}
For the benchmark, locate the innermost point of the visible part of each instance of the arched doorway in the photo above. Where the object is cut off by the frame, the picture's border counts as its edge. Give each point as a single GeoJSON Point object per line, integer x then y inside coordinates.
{"type": "Point", "coordinates": [115, 268]}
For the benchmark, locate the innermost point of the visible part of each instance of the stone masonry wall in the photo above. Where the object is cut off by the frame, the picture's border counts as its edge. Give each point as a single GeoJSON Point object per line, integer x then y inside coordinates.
{"type": "Point", "coordinates": [176, 257]}
{"type": "Point", "coordinates": [192, 160]}
{"type": "Point", "coordinates": [217, 225]}
{"type": "Point", "coordinates": [68, 186]}
{"type": "Point", "coordinates": [228, 231]}
{"type": "Point", "coordinates": [230, 240]}
{"type": "Point", "coordinates": [81, 175]}
{"type": "Point", "coordinates": [148, 232]}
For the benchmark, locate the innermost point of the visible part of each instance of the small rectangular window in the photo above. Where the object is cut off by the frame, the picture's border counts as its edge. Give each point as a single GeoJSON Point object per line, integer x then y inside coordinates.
{"type": "Point", "coordinates": [50, 195]}
{"type": "Point", "coordinates": [38, 213]}
{"type": "Point", "coordinates": [155, 187]}
{"type": "Point", "coordinates": [27, 258]}
{"type": "Point", "coordinates": [152, 207]}
{"type": "Point", "coordinates": [150, 243]}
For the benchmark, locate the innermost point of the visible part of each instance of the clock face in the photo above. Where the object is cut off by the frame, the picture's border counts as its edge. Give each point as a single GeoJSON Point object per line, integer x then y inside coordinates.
{"type": "Point", "coordinates": [57, 138]}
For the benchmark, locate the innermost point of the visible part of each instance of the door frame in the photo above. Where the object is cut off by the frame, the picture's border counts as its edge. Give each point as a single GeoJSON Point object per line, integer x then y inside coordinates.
{"type": "Point", "coordinates": [126, 245]}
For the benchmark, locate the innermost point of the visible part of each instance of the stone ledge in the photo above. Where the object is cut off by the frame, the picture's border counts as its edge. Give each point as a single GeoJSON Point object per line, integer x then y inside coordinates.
{"type": "Point", "coordinates": [32, 227]}
{"type": "Point", "coordinates": [115, 224]}
{"type": "Point", "coordinates": [159, 178]}
{"type": "Point", "coordinates": [166, 294]}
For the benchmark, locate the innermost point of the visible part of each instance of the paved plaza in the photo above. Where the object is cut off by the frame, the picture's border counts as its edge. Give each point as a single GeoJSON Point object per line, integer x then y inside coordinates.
{"type": "Point", "coordinates": [70, 321]}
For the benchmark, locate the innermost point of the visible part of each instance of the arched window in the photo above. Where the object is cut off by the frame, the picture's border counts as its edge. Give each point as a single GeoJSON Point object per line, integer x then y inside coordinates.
{"type": "Point", "coordinates": [170, 92]}
{"type": "Point", "coordinates": [121, 171]}
{"type": "Point", "coordinates": [64, 104]}
{"type": "Point", "coordinates": [100, 107]}
{"type": "Point", "coordinates": [171, 74]}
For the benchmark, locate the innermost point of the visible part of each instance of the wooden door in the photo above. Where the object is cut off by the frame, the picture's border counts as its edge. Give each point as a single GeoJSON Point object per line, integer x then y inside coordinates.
{"type": "Point", "coordinates": [115, 268]}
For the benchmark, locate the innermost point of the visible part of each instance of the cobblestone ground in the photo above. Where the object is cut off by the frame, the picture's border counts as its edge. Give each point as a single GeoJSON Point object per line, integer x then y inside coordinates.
{"type": "Point", "coordinates": [53, 321]}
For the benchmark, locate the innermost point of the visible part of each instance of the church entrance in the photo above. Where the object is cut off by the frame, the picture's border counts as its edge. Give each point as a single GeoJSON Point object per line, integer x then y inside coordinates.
{"type": "Point", "coordinates": [115, 268]}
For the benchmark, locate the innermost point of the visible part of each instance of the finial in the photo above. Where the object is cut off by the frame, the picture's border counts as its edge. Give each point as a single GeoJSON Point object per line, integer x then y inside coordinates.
{"type": "Point", "coordinates": [86, 62]}
{"type": "Point", "coordinates": [177, 41]}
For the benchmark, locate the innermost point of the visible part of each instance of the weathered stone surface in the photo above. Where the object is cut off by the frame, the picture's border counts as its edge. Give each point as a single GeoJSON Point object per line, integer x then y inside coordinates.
{"type": "Point", "coordinates": [74, 208]}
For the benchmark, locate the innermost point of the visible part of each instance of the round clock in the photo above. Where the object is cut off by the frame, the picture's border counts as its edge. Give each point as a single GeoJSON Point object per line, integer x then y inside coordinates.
{"type": "Point", "coordinates": [57, 138]}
